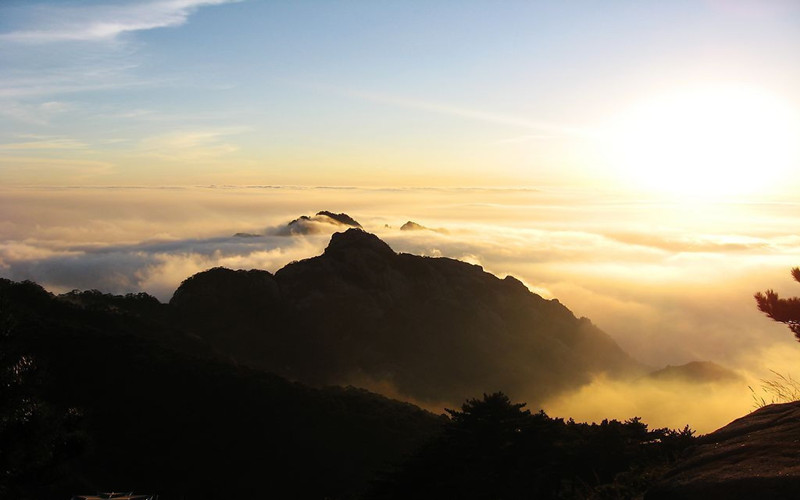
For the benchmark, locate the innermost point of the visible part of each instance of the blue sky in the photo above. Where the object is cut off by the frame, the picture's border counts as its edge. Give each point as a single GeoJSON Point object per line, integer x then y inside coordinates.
{"type": "Point", "coordinates": [377, 93]}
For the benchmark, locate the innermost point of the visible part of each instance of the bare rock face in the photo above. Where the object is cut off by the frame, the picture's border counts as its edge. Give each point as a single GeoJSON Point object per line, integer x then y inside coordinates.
{"type": "Point", "coordinates": [754, 457]}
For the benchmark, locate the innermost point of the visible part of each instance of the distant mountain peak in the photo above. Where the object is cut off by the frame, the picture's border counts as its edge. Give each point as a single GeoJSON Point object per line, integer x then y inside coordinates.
{"type": "Point", "coordinates": [341, 218]}
{"type": "Point", "coordinates": [697, 372]}
{"type": "Point", "coordinates": [357, 239]}
{"type": "Point", "coordinates": [322, 222]}
{"type": "Point", "coordinates": [412, 226]}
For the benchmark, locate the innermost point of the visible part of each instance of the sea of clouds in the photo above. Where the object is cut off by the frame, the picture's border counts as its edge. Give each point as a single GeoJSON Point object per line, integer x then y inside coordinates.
{"type": "Point", "coordinates": [670, 281]}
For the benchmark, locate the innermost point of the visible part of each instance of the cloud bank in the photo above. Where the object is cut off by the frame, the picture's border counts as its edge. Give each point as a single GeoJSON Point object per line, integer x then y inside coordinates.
{"type": "Point", "coordinates": [669, 293]}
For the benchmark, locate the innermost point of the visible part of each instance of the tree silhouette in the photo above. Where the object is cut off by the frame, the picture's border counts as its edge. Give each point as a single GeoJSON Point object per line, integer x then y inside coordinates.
{"type": "Point", "coordinates": [490, 449]}
{"type": "Point", "coordinates": [494, 449]}
{"type": "Point", "coordinates": [782, 310]}
{"type": "Point", "coordinates": [37, 435]}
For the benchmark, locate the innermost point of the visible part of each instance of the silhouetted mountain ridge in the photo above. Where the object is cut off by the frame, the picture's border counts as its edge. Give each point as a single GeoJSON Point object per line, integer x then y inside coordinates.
{"type": "Point", "coordinates": [323, 221]}
{"type": "Point", "coordinates": [356, 241]}
{"type": "Point", "coordinates": [433, 329]}
{"type": "Point", "coordinates": [697, 372]}
{"type": "Point", "coordinates": [102, 391]}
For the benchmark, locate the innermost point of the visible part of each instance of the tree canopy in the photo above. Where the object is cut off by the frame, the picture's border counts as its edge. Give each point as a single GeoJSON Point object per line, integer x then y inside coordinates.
{"type": "Point", "coordinates": [782, 310]}
{"type": "Point", "coordinates": [494, 449]}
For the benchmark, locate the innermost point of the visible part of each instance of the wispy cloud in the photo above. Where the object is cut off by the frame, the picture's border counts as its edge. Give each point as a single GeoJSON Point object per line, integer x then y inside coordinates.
{"type": "Point", "coordinates": [35, 142]}
{"type": "Point", "coordinates": [73, 75]}
{"type": "Point", "coordinates": [18, 168]}
{"type": "Point", "coordinates": [551, 128]}
{"type": "Point", "coordinates": [105, 22]}
{"type": "Point", "coordinates": [52, 49]}
{"type": "Point", "coordinates": [191, 145]}
{"type": "Point", "coordinates": [36, 114]}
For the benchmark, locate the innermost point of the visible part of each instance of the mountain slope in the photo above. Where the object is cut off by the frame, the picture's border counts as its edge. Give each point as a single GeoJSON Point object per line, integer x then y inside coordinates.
{"type": "Point", "coordinates": [755, 456]}
{"type": "Point", "coordinates": [430, 329]}
{"type": "Point", "coordinates": [92, 400]}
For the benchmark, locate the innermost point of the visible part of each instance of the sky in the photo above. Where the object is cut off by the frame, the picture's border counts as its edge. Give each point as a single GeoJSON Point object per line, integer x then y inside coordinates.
{"type": "Point", "coordinates": [396, 93]}
{"type": "Point", "coordinates": [637, 160]}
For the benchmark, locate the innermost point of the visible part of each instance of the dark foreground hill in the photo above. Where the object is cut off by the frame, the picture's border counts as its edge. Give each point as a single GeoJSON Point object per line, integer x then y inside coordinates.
{"type": "Point", "coordinates": [97, 395]}
{"type": "Point", "coordinates": [426, 329]}
{"type": "Point", "coordinates": [756, 456]}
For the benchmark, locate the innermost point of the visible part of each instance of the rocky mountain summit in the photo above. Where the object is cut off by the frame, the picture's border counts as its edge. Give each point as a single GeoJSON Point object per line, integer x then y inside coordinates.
{"type": "Point", "coordinates": [322, 222]}
{"type": "Point", "coordinates": [425, 329]}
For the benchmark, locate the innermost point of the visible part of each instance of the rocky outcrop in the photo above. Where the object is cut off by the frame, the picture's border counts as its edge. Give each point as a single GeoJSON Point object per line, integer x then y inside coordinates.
{"type": "Point", "coordinates": [322, 222]}
{"type": "Point", "coordinates": [756, 456]}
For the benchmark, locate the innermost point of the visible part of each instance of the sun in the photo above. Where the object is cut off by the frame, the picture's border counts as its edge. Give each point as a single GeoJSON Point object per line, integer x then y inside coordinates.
{"type": "Point", "coordinates": [706, 142]}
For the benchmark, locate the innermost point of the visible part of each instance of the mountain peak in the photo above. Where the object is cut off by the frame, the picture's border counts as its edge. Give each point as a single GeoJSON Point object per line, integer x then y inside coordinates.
{"type": "Point", "coordinates": [697, 372]}
{"type": "Point", "coordinates": [412, 226]}
{"type": "Point", "coordinates": [323, 222]}
{"type": "Point", "coordinates": [357, 239]}
{"type": "Point", "coordinates": [341, 218]}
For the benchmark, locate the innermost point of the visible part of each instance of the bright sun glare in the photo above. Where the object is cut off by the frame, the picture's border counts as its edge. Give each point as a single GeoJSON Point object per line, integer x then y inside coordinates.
{"type": "Point", "coordinates": [707, 142]}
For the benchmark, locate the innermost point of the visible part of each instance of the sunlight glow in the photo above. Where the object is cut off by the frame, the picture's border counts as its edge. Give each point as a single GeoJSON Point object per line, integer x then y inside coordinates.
{"type": "Point", "coordinates": [707, 142]}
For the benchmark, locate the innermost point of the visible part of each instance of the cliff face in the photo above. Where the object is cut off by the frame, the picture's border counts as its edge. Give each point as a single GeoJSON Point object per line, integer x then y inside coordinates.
{"type": "Point", "coordinates": [433, 329]}
{"type": "Point", "coordinates": [756, 456]}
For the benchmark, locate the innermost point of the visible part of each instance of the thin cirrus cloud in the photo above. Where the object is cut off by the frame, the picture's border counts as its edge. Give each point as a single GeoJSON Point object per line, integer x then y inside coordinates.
{"type": "Point", "coordinates": [105, 22]}
{"type": "Point", "coordinates": [191, 145]}
{"type": "Point", "coordinates": [71, 78]}
{"type": "Point", "coordinates": [552, 129]}
{"type": "Point", "coordinates": [36, 142]}
{"type": "Point", "coordinates": [22, 168]}
{"type": "Point", "coordinates": [67, 66]}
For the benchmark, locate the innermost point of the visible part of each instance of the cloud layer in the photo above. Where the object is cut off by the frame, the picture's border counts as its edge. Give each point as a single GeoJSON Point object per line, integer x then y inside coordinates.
{"type": "Point", "coordinates": [671, 292]}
